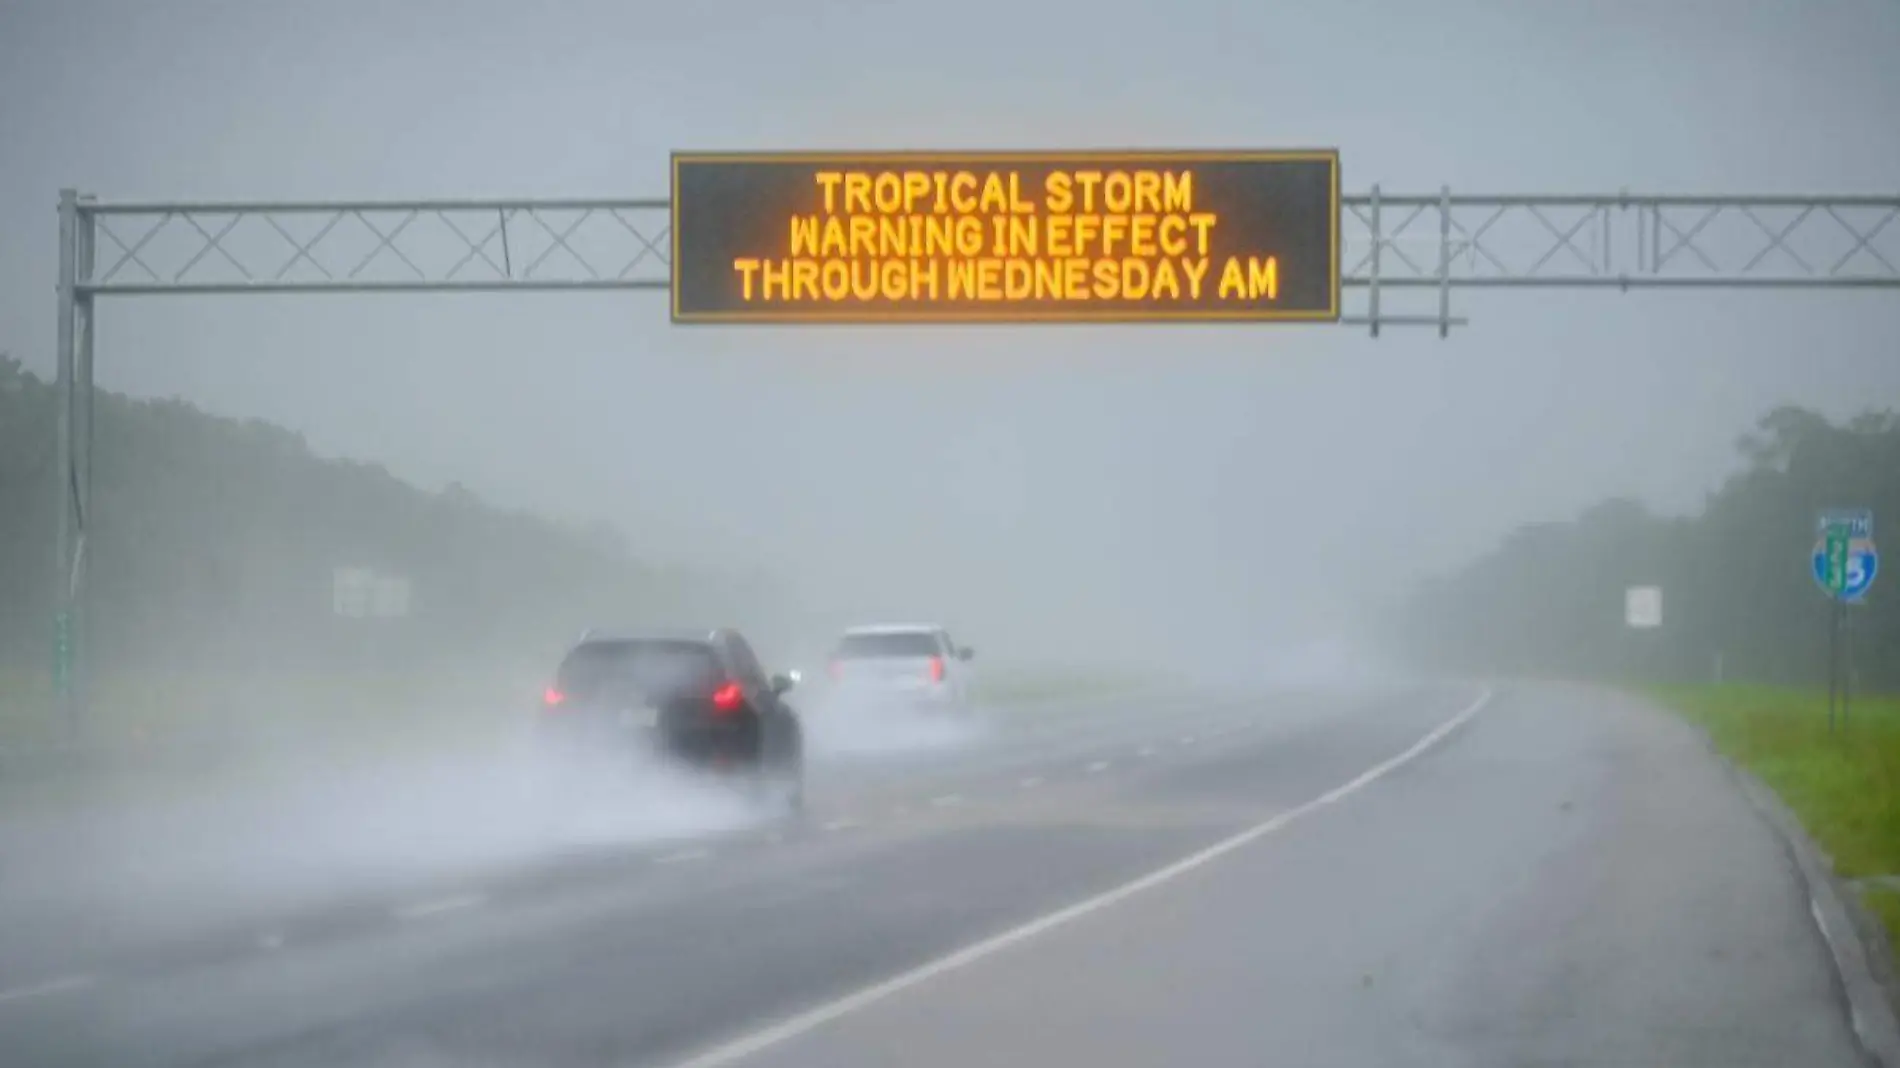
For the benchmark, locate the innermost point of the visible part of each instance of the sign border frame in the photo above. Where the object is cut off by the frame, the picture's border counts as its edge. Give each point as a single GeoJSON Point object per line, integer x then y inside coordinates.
{"type": "Point", "coordinates": [1332, 314]}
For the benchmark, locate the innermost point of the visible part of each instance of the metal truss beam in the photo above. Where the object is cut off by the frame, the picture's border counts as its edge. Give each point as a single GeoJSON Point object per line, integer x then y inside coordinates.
{"type": "Point", "coordinates": [1441, 241]}
{"type": "Point", "coordinates": [378, 246]}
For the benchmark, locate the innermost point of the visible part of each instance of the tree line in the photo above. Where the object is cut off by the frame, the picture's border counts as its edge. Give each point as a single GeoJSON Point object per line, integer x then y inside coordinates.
{"type": "Point", "coordinates": [1739, 597]}
{"type": "Point", "coordinates": [213, 542]}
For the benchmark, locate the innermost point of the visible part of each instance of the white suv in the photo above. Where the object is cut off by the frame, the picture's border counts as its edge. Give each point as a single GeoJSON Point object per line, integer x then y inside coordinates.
{"type": "Point", "coordinates": [916, 664]}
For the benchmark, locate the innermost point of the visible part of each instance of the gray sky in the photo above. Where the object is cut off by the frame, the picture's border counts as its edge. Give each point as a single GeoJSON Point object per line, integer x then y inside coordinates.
{"type": "Point", "coordinates": [1128, 485]}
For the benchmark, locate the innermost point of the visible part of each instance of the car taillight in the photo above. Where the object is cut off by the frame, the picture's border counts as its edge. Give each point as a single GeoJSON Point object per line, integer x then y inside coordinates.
{"type": "Point", "coordinates": [728, 698]}
{"type": "Point", "coordinates": [936, 669]}
{"type": "Point", "coordinates": [552, 698]}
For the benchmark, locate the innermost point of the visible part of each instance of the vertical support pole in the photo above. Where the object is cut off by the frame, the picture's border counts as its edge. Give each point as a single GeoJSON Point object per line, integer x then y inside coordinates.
{"type": "Point", "coordinates": [84, 235]}
{"type": "Point", "coordinates": [1610, 263]}
{"type": "Point", "coordinates": [1378, 246]}
{"type": "Point", "coordinates": [1847, 663]}
{"type": "Point", "coordinates": [1644, 227]}
{"type": "Point", "coordinates": [1655, 238]}
{"type": "Point", "coordinates": [1444, 261]}
{"type": "Point", "coordinates": [1606, 263]}
{"type": "Point", "coordinates": [63, 586]}
{"type": "Point", "coordinates": [1833, 659]}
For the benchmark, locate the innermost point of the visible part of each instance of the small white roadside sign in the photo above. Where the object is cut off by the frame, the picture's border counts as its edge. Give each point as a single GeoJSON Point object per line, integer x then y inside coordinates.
{"type": "Point", "coordinates": [1642, 607]}
{"type": "Point", "coordinates": [350, 591]}
{"type": "Point", "coordinates": [362, 593]}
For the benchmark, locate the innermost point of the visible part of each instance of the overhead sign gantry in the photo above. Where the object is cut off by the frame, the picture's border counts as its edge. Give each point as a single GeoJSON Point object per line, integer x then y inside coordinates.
{"type": "Point", "coordinates": [1236, 236]}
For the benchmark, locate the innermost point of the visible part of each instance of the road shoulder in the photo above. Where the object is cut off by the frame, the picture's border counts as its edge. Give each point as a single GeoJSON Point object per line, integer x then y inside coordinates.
{"type": "Point", "coordinates": [1856, 940]}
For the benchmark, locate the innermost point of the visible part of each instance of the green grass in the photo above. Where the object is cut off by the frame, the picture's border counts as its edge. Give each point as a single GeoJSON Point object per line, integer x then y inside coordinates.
{"type": "Point", "coordinates": [1844, 786]}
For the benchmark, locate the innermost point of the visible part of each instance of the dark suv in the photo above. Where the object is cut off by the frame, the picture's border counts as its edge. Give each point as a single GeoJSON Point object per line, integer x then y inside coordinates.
{"type": "Point", "coordinates": [699, 699]}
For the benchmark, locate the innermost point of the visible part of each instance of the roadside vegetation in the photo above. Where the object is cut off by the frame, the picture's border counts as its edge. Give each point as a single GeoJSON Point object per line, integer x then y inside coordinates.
{"type": "Point", "coordinates": [1843, 785]}
{"type": "Point", "coordinates": [1739, 602]}
{"type": "Point", "coordinates": [212, 548]}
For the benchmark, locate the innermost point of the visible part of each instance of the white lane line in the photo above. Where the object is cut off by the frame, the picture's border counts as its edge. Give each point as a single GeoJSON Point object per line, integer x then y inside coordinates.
{"type": "Point", "coordinates": [765, 1038]}
{"type": "Point", "coordinates": [682, 856]}
{"type": "Point", "coordinates": [40, 990]}
{"type": "Point", "coordinates": [270, 940]}
{"type": "Point", "coordinates": [440, 905]}
{"type": "Point", "coordinates": [1100, 765]}
{"type": "Point", "coordinates": [945, 800]}
{"type": "Point", "coordinates": [1187, 739]}
{"type": "Point", "coordinates": [841, 825]}
{"type": "Point", "coordinates": [1031, 782]}
{"type": "Point", "coordinates": [1145, 751]}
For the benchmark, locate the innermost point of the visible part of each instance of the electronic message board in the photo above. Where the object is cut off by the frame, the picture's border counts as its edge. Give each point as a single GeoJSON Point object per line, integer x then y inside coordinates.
{"type": "Point", "coordinates": [1023, 237]}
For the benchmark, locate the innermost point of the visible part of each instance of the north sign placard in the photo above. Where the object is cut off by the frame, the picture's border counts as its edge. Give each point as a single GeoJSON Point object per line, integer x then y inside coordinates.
{"type": "Point", "coordinates": [1859, 522]}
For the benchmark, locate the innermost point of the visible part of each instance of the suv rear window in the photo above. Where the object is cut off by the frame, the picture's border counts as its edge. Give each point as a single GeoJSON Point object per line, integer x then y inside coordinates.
{"type": "Point", "coordinates": [910, 643]}
{"type": "Point", "coordinates": [637, 669]}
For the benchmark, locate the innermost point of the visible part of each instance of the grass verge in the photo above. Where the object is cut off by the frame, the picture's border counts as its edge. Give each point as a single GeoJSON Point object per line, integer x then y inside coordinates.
{"type": "Point", "coordinates": [1843, 785]}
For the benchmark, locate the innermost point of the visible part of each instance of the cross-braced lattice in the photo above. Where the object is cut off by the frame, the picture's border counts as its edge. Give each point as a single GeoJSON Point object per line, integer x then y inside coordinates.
{"type": "Point", "coordinates": [1620, 240]}
{"type": "Point", "coordinates": [444, 245]}
{"type": "Point", "coordinates": [1406, 241]}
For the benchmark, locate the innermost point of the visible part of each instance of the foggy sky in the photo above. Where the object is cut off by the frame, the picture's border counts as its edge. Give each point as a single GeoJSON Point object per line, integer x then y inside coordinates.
{"type": "Point", "coordinates": [1218, 488]}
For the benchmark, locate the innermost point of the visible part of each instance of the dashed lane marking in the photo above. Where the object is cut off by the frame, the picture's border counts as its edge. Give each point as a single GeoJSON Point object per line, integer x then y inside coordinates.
{"type": "Point", "coordinates": [746, 1045]}
{"type": "Point", "coordinates": [425, 909]}
{"type": "Point", "coordinates": [682, 856]}
{"type": "Point", "coordinates": [40, 990]}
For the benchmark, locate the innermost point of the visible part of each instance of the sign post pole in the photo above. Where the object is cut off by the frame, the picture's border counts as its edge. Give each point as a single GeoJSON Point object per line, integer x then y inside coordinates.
{"type": "Point", "coordinates": [1845, 562]}
{"type": "Point", "coordinates": [1836, 540]}
{"type": "Point", "coordinates": [63, 656]}
{"type": "Point", "coordinates": [1833, 660]}
{"type": "Point", "coordinates": [1847, 664]}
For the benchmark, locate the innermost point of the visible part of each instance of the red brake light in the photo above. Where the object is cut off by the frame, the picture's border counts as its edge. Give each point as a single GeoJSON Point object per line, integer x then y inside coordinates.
{"type": "Point", "coordinates": [728, 698]}
{"type": "Point", "coordinates": [936, 669]}
{"type": "Point", "coordinates": [552, 697]}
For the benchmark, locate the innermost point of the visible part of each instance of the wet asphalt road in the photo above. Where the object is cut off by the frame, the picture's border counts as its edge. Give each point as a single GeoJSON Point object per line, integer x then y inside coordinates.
{"type": "Point", "coordinates": [1393, 877]}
